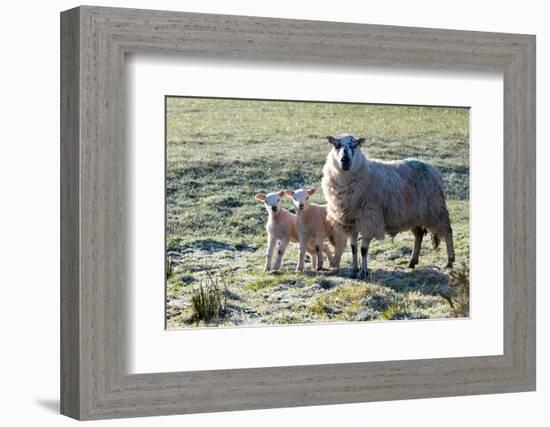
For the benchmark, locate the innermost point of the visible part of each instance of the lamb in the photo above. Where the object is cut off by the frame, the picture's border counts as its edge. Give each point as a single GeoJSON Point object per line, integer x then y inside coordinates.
{"type": "Point", "coordinates": [375, 198]}
{"type": "Point", "coordinates": [280, 228]}
{"type": "Point", "coordinates": [313, 228]}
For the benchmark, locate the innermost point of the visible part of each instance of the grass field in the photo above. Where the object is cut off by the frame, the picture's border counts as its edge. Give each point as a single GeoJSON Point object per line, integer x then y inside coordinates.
{"type": "Point", "coordinates": [220, 153]}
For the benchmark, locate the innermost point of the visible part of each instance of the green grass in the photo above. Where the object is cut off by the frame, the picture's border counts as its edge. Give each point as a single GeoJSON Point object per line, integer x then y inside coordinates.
{"type": "Point", "coordinates": [220, 153]}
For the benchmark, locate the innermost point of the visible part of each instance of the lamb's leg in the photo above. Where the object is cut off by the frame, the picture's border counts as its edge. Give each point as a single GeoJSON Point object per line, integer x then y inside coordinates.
{"type": "Point", "coordinates": [327, 252]}
{"type": "Point", "coordinates": [300, 266]}
{"type": "Point", "coordinates": [340, 241]}
{"type": "Point", "coordinates": [354, 263]}
{"type": "Point", "coordinates": [271, 242]}
{"type": "Point", "coordinates": [364, 252]}
{"type": "Point", "coordinates": [313, 256]}
{"type": "Point", "coordinates": [283, 243]}
{"type": "Point", "coordinates": [319, 246]}
{"type": "Point", "coordinates": [418, 235]}
{"type": "Point", "coordinates": [450, 247]}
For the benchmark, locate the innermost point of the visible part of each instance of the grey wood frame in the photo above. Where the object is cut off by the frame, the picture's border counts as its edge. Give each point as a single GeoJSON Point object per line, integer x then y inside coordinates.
{"type": "Point", "coordinates": [94, 382]}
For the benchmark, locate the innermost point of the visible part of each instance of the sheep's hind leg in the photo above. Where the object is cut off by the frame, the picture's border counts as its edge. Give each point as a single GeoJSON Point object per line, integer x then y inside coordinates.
{"type": "Point", "coordinates": [364, 252]}
{"type": "Point", "coordinates": [450, 248]}
{"type": "Point", "coordinates": [418, 235]}
{"type": "Point", "coordinates": [354, 263]}
{"type": "Point", "coordinates": [283, 243]}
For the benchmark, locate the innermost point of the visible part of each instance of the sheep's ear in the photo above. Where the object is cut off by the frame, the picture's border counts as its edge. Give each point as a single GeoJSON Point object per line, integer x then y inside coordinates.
{"type": "Point", "coordinates": [310, 190]}
{"type": "Point", "coordinates": [281, 193]}
{"type": "Point", "coordinates": [331, 140]}
{"type": "Point", "coordinates": [260, 197]}
{"type": "Point", "coordinates": [289, 192]}
{"type": "Point", "coordinates": [360, 141]}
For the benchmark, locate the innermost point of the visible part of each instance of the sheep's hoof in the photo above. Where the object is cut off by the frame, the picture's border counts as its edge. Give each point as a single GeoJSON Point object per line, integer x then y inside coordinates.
{"type": "Point", "coordinates": [267, 270]}
{"type": "Point", "coordinates": [449, 265]}
{"type": "Point", "coordinates": [364, 275]}
{"type": "Point", "coordinates": [354, 273]}
{"type": "Point", "coordinates": [412, 264]}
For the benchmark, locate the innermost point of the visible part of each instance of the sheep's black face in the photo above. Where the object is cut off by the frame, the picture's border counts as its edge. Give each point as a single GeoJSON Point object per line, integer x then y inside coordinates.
{"type": "Point", "coordinates": [345, 147]}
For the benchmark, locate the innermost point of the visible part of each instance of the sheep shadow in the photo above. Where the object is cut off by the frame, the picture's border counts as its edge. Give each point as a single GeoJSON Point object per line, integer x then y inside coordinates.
{"type": "Point", "coordinates": [425, 280]}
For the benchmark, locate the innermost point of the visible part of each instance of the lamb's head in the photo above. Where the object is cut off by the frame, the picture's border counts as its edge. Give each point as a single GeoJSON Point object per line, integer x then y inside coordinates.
{"type": "Point", "coordinates": [272, 201]}
{"type": "Point", "coordinates": [345, 150]}
{"type": "Point", "coordinates": [300, 198]}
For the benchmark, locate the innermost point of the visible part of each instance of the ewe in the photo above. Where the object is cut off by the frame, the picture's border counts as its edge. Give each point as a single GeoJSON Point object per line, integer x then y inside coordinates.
{"type": "Point", "coordinates": [280, 228]}
{"type": "Point", "coordinates": [313, 228]}
{"type": "Point", "coordinates": [375, 198]}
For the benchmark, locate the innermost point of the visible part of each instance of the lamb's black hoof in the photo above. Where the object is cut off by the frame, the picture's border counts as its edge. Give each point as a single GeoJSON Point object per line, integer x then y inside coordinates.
{"type": "Point", "coordinates": [364, 275]}
{"type": "Point", "coordinates": [412, 264]}
{"type": "Point", "coordinates": [354, 274]}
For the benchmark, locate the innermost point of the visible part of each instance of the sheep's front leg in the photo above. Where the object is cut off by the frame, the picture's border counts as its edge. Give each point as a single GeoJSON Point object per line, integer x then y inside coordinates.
{"type": "Point", "coordinates": [354, 263]}
{"type": "Point", "coordinates": [300, 266]}
{"type": "Point", "coordinates": [271, 242]}
{"type": "Point", "coordinates": [364, 252]}
{"type": "Point", "coordinates": [283, 243]}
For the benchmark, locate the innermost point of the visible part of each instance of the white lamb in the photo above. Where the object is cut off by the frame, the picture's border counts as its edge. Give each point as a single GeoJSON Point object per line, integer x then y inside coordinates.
{"type": "Point", "coordinates": [280, 228]}
{"type": "Point", "coordinates": [313, 228]}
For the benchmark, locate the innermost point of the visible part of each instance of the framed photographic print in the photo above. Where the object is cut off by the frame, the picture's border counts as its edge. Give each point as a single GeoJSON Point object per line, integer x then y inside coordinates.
{"type": "Point", "coordinates": [349, 209]}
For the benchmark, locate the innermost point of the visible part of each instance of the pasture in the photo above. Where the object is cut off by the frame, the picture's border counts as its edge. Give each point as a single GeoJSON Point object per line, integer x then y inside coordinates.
{"type": "Point", "coordinates": [220, 153]}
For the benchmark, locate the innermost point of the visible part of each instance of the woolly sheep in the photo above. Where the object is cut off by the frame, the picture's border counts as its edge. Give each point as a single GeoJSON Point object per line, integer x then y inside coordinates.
{"type": "Point", "coordinates": [375, 198]}
{"type": "Point", "coordinates": [280, 228]}
{"type": "Point", "coordinates": [313, 228]}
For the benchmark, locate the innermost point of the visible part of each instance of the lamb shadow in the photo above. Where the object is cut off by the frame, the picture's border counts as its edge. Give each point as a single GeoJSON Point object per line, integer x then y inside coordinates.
{"type": "Point", "coordinates": [211, 246]}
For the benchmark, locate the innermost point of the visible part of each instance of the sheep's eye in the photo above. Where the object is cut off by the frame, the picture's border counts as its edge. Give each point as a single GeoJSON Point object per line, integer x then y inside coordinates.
{"type": "Point", "coordinates": [338, 146]}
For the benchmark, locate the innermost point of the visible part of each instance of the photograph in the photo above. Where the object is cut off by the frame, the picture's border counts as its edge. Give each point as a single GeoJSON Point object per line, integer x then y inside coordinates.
{"type": "Point", "coordinates": [286, 212]}
{"type": "Point", "coordinates": [345, 198]}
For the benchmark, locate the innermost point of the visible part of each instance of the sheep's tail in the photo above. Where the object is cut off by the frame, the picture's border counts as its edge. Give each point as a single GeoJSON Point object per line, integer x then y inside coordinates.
{"type": "Point", "coordinates": [435, 240]}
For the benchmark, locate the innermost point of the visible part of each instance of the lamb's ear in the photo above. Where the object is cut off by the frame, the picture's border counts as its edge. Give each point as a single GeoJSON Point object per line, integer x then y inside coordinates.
{"type": "Point", "coordinates": [310, 190]}
{"type": "Point", "coordinates": [360, 141]}
{"type": "Point", "coordinates": [260, 197]}
{"type": "Point", "coordinates": [289, 193]}
{"type": "Point", "coordinates": [331, 140]}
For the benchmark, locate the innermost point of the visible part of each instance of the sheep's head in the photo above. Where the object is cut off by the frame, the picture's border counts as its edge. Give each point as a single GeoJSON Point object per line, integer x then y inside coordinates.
{"type": "Point", "coordinates": [272, 201]}
{"type": "Point", "coordinates": [345, 150]}
{"type": "Point", "coordinates": [300, 198]}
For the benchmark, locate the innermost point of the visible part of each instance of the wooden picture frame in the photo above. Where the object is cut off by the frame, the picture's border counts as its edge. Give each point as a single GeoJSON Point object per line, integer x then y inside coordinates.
{"type": "Point", "coordinates": [94, 41]}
